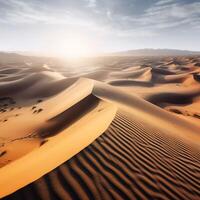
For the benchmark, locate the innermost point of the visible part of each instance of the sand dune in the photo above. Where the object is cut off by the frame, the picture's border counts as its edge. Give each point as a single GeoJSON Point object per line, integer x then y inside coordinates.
{"type": "Point", "coordinates": [128, 128]}
{"type": "Point", "coordinates": [131, 160]}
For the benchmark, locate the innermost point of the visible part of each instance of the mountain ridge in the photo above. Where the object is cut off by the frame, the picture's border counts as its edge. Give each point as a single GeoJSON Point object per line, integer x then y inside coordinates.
{"type": "Point", "coordinates": [156, 52]}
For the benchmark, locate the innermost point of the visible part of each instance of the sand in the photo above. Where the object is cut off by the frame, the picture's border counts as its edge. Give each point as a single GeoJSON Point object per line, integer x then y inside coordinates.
{"type": "Point", "coordinates": [101, 128]}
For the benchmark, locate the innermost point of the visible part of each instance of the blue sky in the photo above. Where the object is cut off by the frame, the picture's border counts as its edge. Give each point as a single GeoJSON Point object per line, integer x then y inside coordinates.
{"type": "Point", "coordinates": [99, 25]}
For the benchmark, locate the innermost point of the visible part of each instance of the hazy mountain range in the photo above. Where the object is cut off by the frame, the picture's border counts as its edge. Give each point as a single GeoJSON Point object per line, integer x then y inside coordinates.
{"type": "Point", "coordinates": [19, 55]}
{"type": "Point", "coordinates": [156, 52]}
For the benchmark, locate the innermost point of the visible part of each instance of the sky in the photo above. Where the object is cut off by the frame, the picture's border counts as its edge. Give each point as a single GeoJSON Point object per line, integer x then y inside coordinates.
{"type": "Point", "coordinates": [83, 27]}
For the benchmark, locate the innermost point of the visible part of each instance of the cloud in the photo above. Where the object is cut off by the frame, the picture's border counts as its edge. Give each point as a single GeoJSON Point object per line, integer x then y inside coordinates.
{"type": "Point", "coordinates": [123, 17]}
{"type": "Point", "coordinates": [164, 15]}
{"type": "Point", "coordinates": [162, 2]}
{"type": "Point", "coordinates": [33, 12]}
{"type": "Point", "coordinates": [91, 3]}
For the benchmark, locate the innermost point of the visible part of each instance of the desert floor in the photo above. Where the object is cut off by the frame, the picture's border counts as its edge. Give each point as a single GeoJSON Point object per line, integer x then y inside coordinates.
{"type": "Point", "coordinates": [101, 128]}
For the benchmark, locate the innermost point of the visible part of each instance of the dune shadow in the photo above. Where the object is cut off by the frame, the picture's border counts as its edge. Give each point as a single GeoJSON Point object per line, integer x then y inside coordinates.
{"type": "Point", "coordinates": [131, 83]}
{"type": "Point", "coordinates": [68, 117]}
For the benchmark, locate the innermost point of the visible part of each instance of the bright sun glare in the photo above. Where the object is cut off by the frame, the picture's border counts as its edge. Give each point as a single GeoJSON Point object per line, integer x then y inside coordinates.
{"type": "Point", "coordinates": [72, 47]}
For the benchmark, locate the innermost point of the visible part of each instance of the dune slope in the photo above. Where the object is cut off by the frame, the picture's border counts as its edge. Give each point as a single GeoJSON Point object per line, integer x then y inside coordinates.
{"type": "Point", "coordinates": [131, 160]}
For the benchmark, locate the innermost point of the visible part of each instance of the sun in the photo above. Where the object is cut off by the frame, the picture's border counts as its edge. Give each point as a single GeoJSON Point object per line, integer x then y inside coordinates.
{"type": "Point", "coordinates": [73, 46]}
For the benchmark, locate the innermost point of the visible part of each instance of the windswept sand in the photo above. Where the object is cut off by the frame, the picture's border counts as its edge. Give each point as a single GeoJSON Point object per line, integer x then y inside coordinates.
{"type": "Point", "coordinates": [104, 128]}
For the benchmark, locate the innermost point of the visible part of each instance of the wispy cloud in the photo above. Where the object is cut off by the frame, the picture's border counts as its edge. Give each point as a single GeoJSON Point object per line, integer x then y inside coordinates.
{"type": "Point", "coordinates": [108, 18]}
{"type": "Point", "coordinates": [162, 2]}
{"type": "Point", "coordinates": [91, 3]}
{"type": "Point", "coordinates": [24, 12]}
{"type": "Point", "coordinates": [165, 14]}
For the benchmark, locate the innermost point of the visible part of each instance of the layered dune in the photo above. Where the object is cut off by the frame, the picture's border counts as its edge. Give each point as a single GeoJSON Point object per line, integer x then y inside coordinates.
{"type": "Point", "coordinates": [104, 128]}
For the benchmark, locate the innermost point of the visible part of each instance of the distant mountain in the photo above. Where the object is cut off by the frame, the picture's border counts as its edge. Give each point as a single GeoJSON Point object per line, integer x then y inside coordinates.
{"type": "Point", "coordinates": [29, 53]}
{"type": "Point", "coordinates": [21, 57]}
{"type": "Point", "coordinates": [10, 58]}
{"type": "Point", "coordinates": [155, 52]}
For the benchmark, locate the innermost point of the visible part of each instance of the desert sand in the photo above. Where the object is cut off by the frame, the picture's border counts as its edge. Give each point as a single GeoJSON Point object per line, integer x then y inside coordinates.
{"type": "Point", "coordinates": [100, 128]}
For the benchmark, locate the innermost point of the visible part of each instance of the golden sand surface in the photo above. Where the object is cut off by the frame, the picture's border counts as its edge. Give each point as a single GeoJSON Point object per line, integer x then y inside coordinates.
{"type": "Point", "coordinates": [101, 128]}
